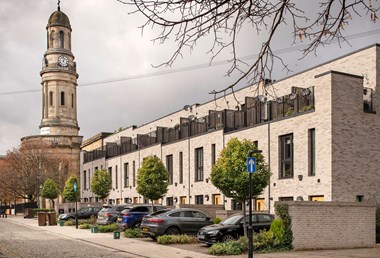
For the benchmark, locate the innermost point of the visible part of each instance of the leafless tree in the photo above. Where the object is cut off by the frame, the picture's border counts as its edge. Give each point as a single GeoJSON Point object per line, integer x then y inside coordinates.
{"type": "Point", "coordinates": [188, 21]}
{"type": "Point", "coordinates": [27, 167]}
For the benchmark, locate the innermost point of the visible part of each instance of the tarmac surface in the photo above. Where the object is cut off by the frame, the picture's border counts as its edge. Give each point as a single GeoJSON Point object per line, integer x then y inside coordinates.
{"type": "Point", "coordinates": [150, 249]}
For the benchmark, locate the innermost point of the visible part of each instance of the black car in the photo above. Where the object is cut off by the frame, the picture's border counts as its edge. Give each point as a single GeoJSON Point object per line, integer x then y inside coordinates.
{"type": "Point", "coordinates": [232, 228]}
{"type": "Point", "coordinates": [83, 213]}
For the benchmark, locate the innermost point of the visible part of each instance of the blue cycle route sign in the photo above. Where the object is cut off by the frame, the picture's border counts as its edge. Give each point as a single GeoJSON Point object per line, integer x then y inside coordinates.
{"type": "Point", "coordinates": [75, 186]}
{"type": "Point", "coordinates": [251, 164]}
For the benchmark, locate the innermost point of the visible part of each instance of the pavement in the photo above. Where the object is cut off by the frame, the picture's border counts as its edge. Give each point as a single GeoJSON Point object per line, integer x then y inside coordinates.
{"type": "Point", "coordinates": [147, 248]}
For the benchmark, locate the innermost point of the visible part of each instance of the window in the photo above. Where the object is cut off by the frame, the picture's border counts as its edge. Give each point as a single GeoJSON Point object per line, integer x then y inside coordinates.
{"type": "Point", "coordinates": [182, 200]}
{"type": "Point", "coordinates": [286, 199]}
{"type": "Point", "coordinates": [72, 100]}
{"type": "Point", "coordinates": [199, 164]}
{"type": "Point", "coordinates": [169, 201]}
{"type": "Point", "coordinates": [359, 198]}
{"type": "Point", "coordinates": [180, 161]}
{"type": "Point", "coordinates": [84, 180]}
{"type": "Point", "coordinates": [286, 156]}
{"type": "Point", "coordinates": [311, 152]}
{"type": "Point", "coordinates": [213, 154]}
{"type": "Point", "coordinates": [264, 218]}
{"type": "Point", "coordinates": [199, 199]}
{"type": "Point", "coordinates": [134, 173]}
{"type": "Point", "coordinates": [110, 171]}
{"type": "Point", "coordinates": [61, 39]}
{"type": "Point", "coordinates": [116, 178]}
{"type": "Point", "coordinates": [62, 98]}
{"type": "Point", "coordinates": [317, 198]}
{"type": "Point", "coordinates": [50, 98]}
{"type": "Point", "coordinates": [216, 199]}
{"type": "Point", "coordinates": [169, 167]}
{"type": "Point", "coordinates": [260, 204]}
{"type": "Point", "coordinates": [235, 205]}
{"type": "Point", "coordinates": [126, 175]}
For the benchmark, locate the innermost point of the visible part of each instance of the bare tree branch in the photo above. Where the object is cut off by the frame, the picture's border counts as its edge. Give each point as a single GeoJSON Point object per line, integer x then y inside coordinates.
{"type": "Point", "coordinates": [188, 21]}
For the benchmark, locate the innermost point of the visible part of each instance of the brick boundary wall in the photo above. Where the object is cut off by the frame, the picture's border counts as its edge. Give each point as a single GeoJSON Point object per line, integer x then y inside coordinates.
{"type": "Point", "coordinates": [332, 225]}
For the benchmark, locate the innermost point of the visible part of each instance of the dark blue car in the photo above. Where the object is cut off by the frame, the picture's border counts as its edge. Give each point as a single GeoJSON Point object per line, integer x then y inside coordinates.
{"type": "Point", "coordinates": [132, 217]}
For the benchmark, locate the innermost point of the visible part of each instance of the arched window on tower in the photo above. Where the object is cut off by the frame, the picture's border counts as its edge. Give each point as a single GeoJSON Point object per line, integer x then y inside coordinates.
{"type": "Point", "coordinates": [50, 98]}
{"type": "Point", "coordinates": [61, 39]}
{"type": "Point", "coordinates": [62, 98]}
{"type": "Point", "coordinates": [51, 39]}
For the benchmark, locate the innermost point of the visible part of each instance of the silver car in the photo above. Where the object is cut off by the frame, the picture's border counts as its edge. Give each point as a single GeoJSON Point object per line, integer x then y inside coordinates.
{"type": "Point", "coordinates": [108, 214]}
{"type": "Point", "coordinates": [174, 222]}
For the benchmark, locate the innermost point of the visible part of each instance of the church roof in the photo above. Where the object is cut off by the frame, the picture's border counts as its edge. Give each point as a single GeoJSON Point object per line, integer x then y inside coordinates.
{"type": "Point", "coordinates": [58, 18]}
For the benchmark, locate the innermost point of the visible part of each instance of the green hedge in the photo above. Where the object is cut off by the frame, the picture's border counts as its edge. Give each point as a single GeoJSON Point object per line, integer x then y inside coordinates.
{"type": "Point", "coordinates": [176, 239]}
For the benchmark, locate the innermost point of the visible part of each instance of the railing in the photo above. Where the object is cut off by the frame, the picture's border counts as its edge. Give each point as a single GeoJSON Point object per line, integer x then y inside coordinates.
{"type": "Point", "coordinates": [256, 111]}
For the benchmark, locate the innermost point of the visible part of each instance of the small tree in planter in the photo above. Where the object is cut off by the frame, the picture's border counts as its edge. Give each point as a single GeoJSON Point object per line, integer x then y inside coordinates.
{"type": "Point", "coordinates": [50, 190]}
{"type": "Point", "coordinates": [101, 183]}
{"type": "Point", "coordinates": [152, 179]}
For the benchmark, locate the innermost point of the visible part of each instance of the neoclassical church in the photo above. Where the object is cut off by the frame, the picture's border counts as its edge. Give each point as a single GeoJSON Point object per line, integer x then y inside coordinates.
{"type": "Point", "coordinates": [59, 126]}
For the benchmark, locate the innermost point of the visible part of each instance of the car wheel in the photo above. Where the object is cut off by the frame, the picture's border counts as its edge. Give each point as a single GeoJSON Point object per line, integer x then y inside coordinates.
{"type": "Point", "coordinates": [136, 225]}
{"type": "Point", "coordinates": [227, 238]}
{"type": "Point", "coordinates": [172, 231]}
{"type": "Point", "coordinates": [153, 237]}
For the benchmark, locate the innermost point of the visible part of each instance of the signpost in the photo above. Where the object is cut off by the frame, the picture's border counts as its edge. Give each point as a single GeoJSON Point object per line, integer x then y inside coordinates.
{"type": "Point", "coordinates": [251, 168]}
{"type": "Point", "coordinates": [76, 205]}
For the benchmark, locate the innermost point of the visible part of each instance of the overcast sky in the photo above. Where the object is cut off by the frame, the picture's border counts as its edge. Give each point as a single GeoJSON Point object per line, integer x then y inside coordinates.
{"type": "Point", "coordinates": [108, 45]}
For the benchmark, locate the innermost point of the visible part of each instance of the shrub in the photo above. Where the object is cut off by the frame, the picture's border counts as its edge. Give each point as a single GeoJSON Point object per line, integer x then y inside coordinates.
{"type": "Point", "coordinates": [264, 241]}
{"type": "Point", "coordinates": [217, 220]}
{"type": "Point", "coordinates": [69, 223]}
{"type": "Point", "coordinates": [133, 233]}
{"type": "Point", "coordinates": [278, 229]}
{"type": "Point", "coordinates": [176, 239]}
{"type": "Point", "coordinates": [229, 248]}
{"type": "Point", "coordinates": [84, 226]}
{"type": "Point", "coordinates": [282, 212]}
{"type": "Point", "coordinates": [108, 228]}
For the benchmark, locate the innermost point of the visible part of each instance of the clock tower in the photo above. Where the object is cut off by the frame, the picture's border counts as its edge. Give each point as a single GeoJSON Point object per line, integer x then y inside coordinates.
{"type": "Point", "coordinates": [59, 79]}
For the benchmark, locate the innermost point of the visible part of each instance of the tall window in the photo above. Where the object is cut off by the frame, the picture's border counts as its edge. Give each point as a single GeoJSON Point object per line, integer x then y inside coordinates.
{"type": "Point", "coordinates": [116, 178]}
{"type": "Point", "coordinates": [50, 98]}
{"type": "Point", "coordinates": [180, 161]}
{"type": "Point", "coordinates": [286, 156]}
{"type": "Point", "coordinates": [72, 100]}
{"type": "Point", "coordinates": [110, 171]}
{"type": "Point", "coordinates": [61, 39]}
{"type": "Point", "coordinates": [84, 180]}
{"type": "Point", "coordinates": [126, 175]}
{"type": "Point", "coordinates": [62, 98]}
{"type": "Point", "coordinates": [199, 164]}
{"type": "Point", "coordinates": [213, 154]}
{"type": "Point", "coordinates": [134, 173]}
{"type": "Point", "coordinates": [311, 152]}
{"type": "Point", "coordinates": [199, 199]}
{"type": "Point", "coordinates": [169, 167]}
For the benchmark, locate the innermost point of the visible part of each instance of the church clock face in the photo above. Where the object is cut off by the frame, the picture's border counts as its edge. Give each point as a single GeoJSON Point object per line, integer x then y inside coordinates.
{"type": "Point", "coordinates": [63, 61]}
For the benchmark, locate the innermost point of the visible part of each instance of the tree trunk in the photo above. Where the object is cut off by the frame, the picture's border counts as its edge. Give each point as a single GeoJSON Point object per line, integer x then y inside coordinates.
{"type": "Point", "coordinates": [245, 218]}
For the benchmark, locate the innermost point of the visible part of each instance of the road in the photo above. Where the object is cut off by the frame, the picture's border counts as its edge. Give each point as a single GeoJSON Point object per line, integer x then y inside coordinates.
{"type": "Point", "coordinates": [20, 241]}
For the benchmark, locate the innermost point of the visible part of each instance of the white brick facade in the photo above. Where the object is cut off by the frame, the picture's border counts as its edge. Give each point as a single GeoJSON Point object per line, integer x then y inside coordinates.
{"type": "Point", "coordinates": [346, 140]}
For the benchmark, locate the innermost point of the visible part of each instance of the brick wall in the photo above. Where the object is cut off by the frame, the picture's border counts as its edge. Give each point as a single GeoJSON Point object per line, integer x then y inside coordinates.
{"type": "Point", "coordinates": [330, 225]}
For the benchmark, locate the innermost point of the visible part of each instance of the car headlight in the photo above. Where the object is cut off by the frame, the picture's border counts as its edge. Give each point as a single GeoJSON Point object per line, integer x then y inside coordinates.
{"type": "Point", "coordinates": [213, 232]}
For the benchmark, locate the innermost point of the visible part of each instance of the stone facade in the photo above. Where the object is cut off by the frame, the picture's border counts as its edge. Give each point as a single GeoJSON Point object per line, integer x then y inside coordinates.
{"type": "Point", "coordinates": [332, 225]}
{"type": "Point", "coordinates": [345, 139]}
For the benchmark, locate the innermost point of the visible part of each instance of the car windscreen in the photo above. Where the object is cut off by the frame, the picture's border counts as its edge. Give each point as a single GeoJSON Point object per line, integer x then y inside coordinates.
{"type": "Point", "coordinates": [106, 209]}
{"type": "Point", "coordinates": [232, 220]}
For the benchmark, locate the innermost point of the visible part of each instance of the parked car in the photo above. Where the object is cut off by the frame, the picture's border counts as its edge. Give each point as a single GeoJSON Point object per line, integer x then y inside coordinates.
{"type": "Point", "coordinates": [232, 228]}
{"type": "Point", "coordinates": [131, 217]}
{"type": "Point", "coordinates": [174, 222]}
{"type": "Point", "coordinates": [83, 213]}
{"type": "Point", "coordinates": [108, 214]}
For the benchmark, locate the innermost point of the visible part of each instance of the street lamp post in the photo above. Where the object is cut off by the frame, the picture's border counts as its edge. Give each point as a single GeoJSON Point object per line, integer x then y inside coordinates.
{"type": "Point", "coordinates": [76, 204]}
{"type": "Point", "coordinates": [251, 168]}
